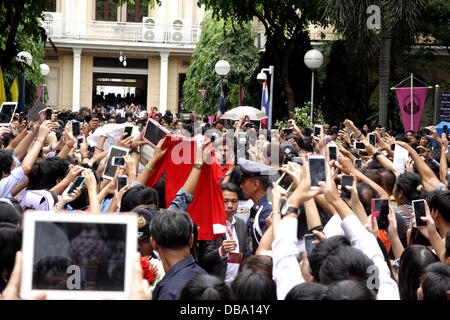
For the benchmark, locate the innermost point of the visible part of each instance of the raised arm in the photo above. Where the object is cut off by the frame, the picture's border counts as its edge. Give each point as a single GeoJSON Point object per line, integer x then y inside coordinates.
{"type": "Point", "coordinates": [428, 176]}
{"type": "Point", "coordinates": [443, 168]}
{"type": "Point", "coordinates": [33, 153]}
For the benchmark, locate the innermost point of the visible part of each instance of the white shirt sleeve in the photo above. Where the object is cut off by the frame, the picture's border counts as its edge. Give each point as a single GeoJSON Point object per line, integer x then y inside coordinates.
{"type": "Point", "coordinates": [8, 183]}
{"type": "Point", "coordinates": [286, 269]}
{"type": "Point", "coordinates": [361, 239]}
{"type": "Point", "coordinates": [333, 227]}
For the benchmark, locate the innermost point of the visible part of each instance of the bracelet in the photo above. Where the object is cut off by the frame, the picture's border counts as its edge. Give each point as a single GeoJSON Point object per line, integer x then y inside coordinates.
{"type": "Point", "coordinates": [40, 140]}
{"type": "Point", "coordinates": [70, 146]}
{"type": "Point", "coordinates": [60, 209]}
{"type": "Point", "coordinates": [197, 165]}
{"type": "Point", "coordinates": [148, 168]}
{"type": "Point", "coordinates": [360, 134]}
{"type": "Point", "coordinates": [276, 212]}
{"type": "Point", "coordinates": [135, 151]}
{"type": "Point", "coordinates": [98, 148]}
{"type": "Point", "coordinates": [84, 157]}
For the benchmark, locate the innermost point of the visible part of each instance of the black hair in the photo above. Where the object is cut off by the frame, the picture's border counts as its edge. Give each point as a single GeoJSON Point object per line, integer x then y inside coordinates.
{"type": "Point", "coordinates": [205, 287]}
{"type": "Point", "coordinates": [254, 285]}
{"type": "Point", "coordinates": [334, 130]}
{"type": "Point", "coordinates": [349, 290]}
{"type": "Point", "coordinates": [230, 187]}
{"type": "Point", "coordinates": [366, 193]}
{"type": "Point", "coordinates": [10, 243]}
{"type": "Point", "coordinates": [374, 176]}
{"type": "Point", "coordinates": [346, 263]}
{"type": "Point", "coordinates": [171, 229]}
{"type": "Point", "coordinates": [6, 161]}
{"type": "Point", "coordinates": [374, 164]}
{"type": "Point", "coordinates": [160, 188]}
{"type": "Point", "coordinates": [408, 183]}
{"type": "Point", "coordinates": [44, 175]}
{"type": "Point", "coordinates": [261, 263]}
{"type": "Point", "coordinates": [263, 180]}
{"type": "Point", "coordinates": [8, 213]}
{"type": "Point", "coordinates": [307, 291]}
{"type": "Point", "coordinates": [322, 250]}
{"type": "Point", "coordinates": [440, 200]}
{"type": "Point", "coordinates": [435, 281]}
{"type": "Point", "coordinates": [389, 179]}
{"type": "Point", "coordinates": [138, 195]}
{"type": "Point", "coordinates": [413, 262]}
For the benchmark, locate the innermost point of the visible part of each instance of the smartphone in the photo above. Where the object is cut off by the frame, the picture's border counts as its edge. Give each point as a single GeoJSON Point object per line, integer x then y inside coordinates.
{"type": "Point", "coordinates": [298, 160]}
{"type": "Point", "coordinates": [372, 139]}
{"type": "Point", "coordinates": [332, 152]}
{"type": "Point", "coordinates": [316, 170]}
{"type": "Point", "coordinates": [380, 209]}
{"type": "Point", "coordinates": [358, 163]}
{"type": "Point", "coordinates": [445, 128]}
{"type": "Point", "coordinates": [122, 181]}
{"type": "Point", "coordinates": [346, 181]}
{"type": "Point", "coordinates": [419, 211]}
{"type": "Point", "coordinates": [48, 114]}
{"type": "Point", "coordinates": [79, 181]}
{"type": "Point", "coordinates": [317, 131]}
{"type": "Point", "coordinates": [309, 245]}
{"type": "Point", "coordinates": [287, 131]}
{"type": "Point", "coordinates": [285, 182]}
{"type": "Point", "coordinates": [76, 130]}
{"type": "Point", "coordinates": [128, 131]}
{"type": "Point", "coordinates": [79, 142]}
{"type": "Point", "coordinates": [358, 145]}
{"type": "Point", "coordinates": [118, 161]}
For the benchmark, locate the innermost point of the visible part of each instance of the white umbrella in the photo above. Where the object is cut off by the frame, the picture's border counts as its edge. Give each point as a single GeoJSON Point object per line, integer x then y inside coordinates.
{"type": "Point", "coordinates": [237, 113]}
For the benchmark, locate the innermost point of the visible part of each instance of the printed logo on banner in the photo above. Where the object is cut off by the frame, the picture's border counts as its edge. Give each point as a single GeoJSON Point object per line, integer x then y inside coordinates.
{"type": "Point", "coordinates": [407, 104]}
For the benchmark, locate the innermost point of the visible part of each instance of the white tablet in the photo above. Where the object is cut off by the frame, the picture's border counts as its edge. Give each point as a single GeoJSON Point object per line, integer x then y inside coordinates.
{"type": "Point", "coordinates": [7, 111]}
{"type": "Point", "coordinates": [110, 169]}
{"type": "Point", "coordinates": [317, 170]}
{"type": "Point", "coordinates": [154, 132]}
{"type": "Point", "coordinates": [78, 256]}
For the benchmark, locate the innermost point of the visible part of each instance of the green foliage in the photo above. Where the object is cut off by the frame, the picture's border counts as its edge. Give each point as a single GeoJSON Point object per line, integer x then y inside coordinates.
{"type": "Point", "coordinates": [302, 117]}
{"type": "Point", "coordinates": [220, 40]}
{"type": "Point", "coordinates": [21, 31]}
{"type": "Point", "coordinates": [435, 22]}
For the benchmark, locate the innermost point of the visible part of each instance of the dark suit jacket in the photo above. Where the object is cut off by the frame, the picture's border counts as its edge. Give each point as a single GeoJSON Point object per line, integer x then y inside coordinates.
{"type": "Point", "coordinates": [209, 256]}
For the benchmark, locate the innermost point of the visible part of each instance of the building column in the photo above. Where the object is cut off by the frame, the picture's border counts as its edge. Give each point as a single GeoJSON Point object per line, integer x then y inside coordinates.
{"type": "Point", "coordinates": [76, 79]}
{"type": "Point", "coordinates": [163, 81]}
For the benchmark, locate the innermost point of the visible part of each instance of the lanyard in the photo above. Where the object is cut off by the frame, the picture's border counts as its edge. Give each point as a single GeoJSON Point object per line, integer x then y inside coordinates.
{"type": "Point", "coordinates": [230, 233]}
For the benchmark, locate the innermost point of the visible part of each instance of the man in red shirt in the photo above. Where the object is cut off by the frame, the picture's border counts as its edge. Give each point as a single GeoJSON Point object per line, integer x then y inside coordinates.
{"type": "Point", "coordinates": [224, 154]}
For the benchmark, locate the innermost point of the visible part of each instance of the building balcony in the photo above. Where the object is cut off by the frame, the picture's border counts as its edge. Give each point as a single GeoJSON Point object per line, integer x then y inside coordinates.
{"type": "Point", "coordinates": [179, 34]}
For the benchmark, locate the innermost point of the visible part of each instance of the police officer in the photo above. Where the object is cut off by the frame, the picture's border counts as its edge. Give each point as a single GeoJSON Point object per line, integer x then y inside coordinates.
{"type": "Point", "coordinates": [254, 184]}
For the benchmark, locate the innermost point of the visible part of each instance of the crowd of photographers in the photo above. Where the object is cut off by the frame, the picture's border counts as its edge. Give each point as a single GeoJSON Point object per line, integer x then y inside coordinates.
{"type": "Point", "coordinates": [293, 231]}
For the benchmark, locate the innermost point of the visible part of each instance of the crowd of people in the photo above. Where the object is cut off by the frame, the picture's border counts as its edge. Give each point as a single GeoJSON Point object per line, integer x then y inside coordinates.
{"type": "Point", "coordinates": [264, 250]}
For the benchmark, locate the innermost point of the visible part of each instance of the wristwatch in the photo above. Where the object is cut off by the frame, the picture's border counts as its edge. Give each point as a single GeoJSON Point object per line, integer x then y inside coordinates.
{"type": "Point", "coordinates": [198, 165]}
{"type": "Point", "coordinates": [288, 209]}
{"type": "Point", "coordinates": [377, 153]}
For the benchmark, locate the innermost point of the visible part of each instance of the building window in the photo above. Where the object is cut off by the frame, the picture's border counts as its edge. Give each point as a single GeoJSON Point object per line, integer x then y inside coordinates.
{"type": "Point", "coordinates": [135, 12]}
{"type": "Point", "coordinates": [51, 6]}
{"type": "Point", "coordinates": [105, 10]}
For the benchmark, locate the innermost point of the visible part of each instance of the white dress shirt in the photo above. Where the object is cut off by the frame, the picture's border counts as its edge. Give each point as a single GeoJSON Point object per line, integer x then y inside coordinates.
{"type": "Point", "coordinates": [232, 268]}
{"type": "Point", "coordinates": [361, 239]}
{"type": "Point", "coordinates": [8, 183]}
{"type": "Point", "coordinates": [333, 227]}
{"type": "Point", "coordinates": [286, 269]}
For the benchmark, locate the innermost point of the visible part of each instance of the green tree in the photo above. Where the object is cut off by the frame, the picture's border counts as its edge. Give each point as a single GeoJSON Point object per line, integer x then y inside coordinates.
{"type": "Point", "coordinates": [400, 21]}
{"type": "Point", "coordinates": [220, 40]}
{"type": "Point", "coordinates": [286, 25]}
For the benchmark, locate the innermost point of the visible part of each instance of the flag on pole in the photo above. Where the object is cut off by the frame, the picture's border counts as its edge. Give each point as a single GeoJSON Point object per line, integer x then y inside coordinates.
{"type": "Point", "coordinates": [221, 110]}
{"type": "Point", "coordinates": [15, 91]}
{"type": "Point", "coordinates": [2, 88]}
{"type": "Point", "coordinates": [242, 101]}
{"type": "Point", "coordinates": [21, 101]}
{"type": "Point", "coordinates": [265, 104]}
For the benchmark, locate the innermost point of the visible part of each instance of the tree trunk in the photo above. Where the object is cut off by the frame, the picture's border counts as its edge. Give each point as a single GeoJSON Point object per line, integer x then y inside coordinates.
{"type": "Point", "coordinates": [384, 70]}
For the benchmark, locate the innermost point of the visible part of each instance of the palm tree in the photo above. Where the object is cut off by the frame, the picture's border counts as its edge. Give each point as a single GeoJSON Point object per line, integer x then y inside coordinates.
{"type": "Point", "coordinates": [400, 20]}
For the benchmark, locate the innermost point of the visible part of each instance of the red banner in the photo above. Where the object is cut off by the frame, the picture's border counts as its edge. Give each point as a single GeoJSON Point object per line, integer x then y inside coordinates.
{"type": "Point", "coordinates": [404, 102]}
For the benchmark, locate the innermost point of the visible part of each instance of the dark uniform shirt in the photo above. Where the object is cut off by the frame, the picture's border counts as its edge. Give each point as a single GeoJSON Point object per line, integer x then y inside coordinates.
{"type": "Point", "coordinates": [264, 208]}
{"type": "Point", "coordinates": [173, 281]}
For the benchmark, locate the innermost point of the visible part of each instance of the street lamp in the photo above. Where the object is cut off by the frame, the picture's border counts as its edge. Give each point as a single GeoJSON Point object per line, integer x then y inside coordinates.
{"type": "Point", "coordinates": [45, 70]}
{"type": "Point", "coordinates": [313, 60]}
{"type": "Point", "coordinates": [261, 78]}
{"type": "Point", "coordinates": [222, 68]}
{"type": "Point", "coordinates": [24, 57]}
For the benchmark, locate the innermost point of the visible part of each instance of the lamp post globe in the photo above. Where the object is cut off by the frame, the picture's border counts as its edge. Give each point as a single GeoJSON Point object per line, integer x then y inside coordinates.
{"type": "Point", "coordinates": [26, 57]}
{"type": "Point", "coordinates": [45, 69]}
{"type": "Point", "coordinates": [222, 67]}
{"type": "Point", "coordinates": [313, 59]}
